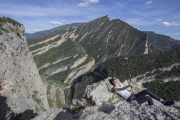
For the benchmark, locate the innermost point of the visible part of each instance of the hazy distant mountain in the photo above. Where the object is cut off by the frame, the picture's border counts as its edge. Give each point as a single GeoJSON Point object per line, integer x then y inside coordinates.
{"type": "Point", "coordinates": [51, 31]}
{"type": "Point", "coordinates": [162, 42]}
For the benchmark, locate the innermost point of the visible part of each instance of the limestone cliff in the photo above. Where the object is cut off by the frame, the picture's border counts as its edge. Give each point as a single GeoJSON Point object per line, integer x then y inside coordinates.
{"type": "Point", "coordinates": [19, 76]}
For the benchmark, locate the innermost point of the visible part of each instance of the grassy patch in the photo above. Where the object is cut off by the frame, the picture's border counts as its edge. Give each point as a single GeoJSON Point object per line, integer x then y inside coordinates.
{"type": "Point", "coordinates": [111, 99]}
{"type": "Point", "coordinates": [104, 103]}
{"type": "Point", "coordinates": [48, 89]}
{"type": "Point", "coordinates": [76, 109]}
{"type": "Point", "coordinates": [37, 100]}
{"type": "Point", "coordinates": [37, 108]}
{"type": "Point", "coordinates": [50, 103]}
{"type": "Point", "coordinates": [58, 101]}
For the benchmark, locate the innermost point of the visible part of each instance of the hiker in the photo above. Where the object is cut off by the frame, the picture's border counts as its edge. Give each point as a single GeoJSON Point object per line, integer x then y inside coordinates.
{"type": "Point", "coordinates": [139, 97]}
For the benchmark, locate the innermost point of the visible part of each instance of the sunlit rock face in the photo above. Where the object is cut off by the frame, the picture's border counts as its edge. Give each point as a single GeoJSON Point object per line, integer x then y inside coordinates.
{"type": "Point", "coordinates": [19, 76]}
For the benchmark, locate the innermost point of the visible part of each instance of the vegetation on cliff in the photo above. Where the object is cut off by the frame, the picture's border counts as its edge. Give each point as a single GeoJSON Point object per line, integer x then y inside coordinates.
{"type": "Point", "coordinates": [7, 19]}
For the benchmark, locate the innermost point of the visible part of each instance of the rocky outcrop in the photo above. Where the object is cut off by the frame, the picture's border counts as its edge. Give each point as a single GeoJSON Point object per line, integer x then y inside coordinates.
{"type": "Point", "coordinates": [146, 45]}
{"type": "Point", "coordinates": [79, 61]}
{"type": "Point", "coordinates": [97, 94]}
{"type": "Point", "coordinates": [19, 76]}
{"type": "Point", "coordinates": [120, 111]}
{"type": "Point", "coordinates": [99, 102]}
{"type": "Point", "coordinates": [125, 111]}
{"type": "Point", "coordinates": [54, 115]}
{"type": "Point", "coordinates": [102, 93]}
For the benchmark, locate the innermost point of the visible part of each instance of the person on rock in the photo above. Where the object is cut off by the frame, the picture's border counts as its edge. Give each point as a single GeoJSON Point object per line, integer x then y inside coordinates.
{"type": "Point", "coordinates": [139, 97]}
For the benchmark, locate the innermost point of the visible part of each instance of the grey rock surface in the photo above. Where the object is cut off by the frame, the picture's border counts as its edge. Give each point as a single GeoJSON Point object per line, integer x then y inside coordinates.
{"type": "Point", "coordinates": [120, 111]}
{"type": "Point", "coordinates": [98, 94]}
{"type": "Point", "coordinates": [106, 105]}
{"type": "Point", "coordinates": [125, 111]}
{"type": "Point", "coordinates": [19, 76]}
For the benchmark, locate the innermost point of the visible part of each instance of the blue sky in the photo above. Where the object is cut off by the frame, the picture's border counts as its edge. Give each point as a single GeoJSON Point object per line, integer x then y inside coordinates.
{"type": "Point", "coordinates": [160, 16]}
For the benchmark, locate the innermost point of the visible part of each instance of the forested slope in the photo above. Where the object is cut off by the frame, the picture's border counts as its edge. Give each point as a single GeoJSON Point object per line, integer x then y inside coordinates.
{"type": "Point", "coordinates": [139, 64]}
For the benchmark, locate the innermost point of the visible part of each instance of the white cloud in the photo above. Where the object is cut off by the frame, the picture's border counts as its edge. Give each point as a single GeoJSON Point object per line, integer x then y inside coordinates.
{"type": "Point", "coordinates": [149, 2]}
{"type": "Point", "coordinates": [140, 22]}
{"type": "Point", "coordinates": [140, 13]}
{"type": "Point", "coordinates": [120, 4]}
{"type": "Point", "coordinates": [158, 19]}
{"type": "Point", "coordinates": [32, 11]}
{"type": "Point", "coordinates": [56, 23]}
{"type": "Point", "coordinates": [87, 2]}
{"type": "Point", "coordinates": [169, 24]}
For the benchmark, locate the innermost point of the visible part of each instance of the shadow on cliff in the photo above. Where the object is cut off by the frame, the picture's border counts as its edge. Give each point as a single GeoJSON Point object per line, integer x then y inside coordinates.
{"type": "Point", "coordinates": [106, 108]}
{"type": "Point", "coordinates": [177, 107]}
{"type": "Point", "coordinates": [63, 114]}
{"type": "Point", "coordinates": [7, 114]}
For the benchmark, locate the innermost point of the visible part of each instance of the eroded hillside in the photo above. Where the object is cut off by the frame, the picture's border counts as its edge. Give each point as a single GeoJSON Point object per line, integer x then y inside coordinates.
{"type": "Point", "coordinates": [78, 48]}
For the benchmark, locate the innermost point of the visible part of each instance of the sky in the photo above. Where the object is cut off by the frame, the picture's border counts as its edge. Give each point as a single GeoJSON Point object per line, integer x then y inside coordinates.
{"type": "Point", "coordinates": [160, 16]}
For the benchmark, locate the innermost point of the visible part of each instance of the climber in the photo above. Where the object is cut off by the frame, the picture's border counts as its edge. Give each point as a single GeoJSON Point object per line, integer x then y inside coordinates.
{"type": "Point", "coordinates": [139, 97]}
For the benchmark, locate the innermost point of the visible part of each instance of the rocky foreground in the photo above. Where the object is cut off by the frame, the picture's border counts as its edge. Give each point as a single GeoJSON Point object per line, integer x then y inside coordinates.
{"type": "Point", "coordinates": [99, 102]}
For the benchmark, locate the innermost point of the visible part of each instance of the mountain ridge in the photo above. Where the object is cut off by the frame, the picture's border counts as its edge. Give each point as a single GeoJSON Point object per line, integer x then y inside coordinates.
{"type": "Point", "coordinates": [93, 38]}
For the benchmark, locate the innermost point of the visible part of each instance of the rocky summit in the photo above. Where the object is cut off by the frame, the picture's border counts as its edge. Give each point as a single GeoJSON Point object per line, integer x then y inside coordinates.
{"type": "Point", "coordinates": [99, 102]}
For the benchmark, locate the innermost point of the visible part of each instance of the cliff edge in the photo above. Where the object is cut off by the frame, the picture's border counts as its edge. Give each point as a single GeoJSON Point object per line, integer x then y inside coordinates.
{"type": "Point", "coordinates": [19, 77]}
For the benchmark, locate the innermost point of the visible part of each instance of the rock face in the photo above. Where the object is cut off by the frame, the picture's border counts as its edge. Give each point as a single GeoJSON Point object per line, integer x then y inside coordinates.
{"type": "Point", "coordinates": [125, 111]}
{"type": "Point", "coordinates": [120, 111]}
{"type": "Point", "coordinates": [19, 76]}
{"type": "Point", "coordinates": [102, 93]}
{"type": "Point", "coordinates": [99, 102]}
